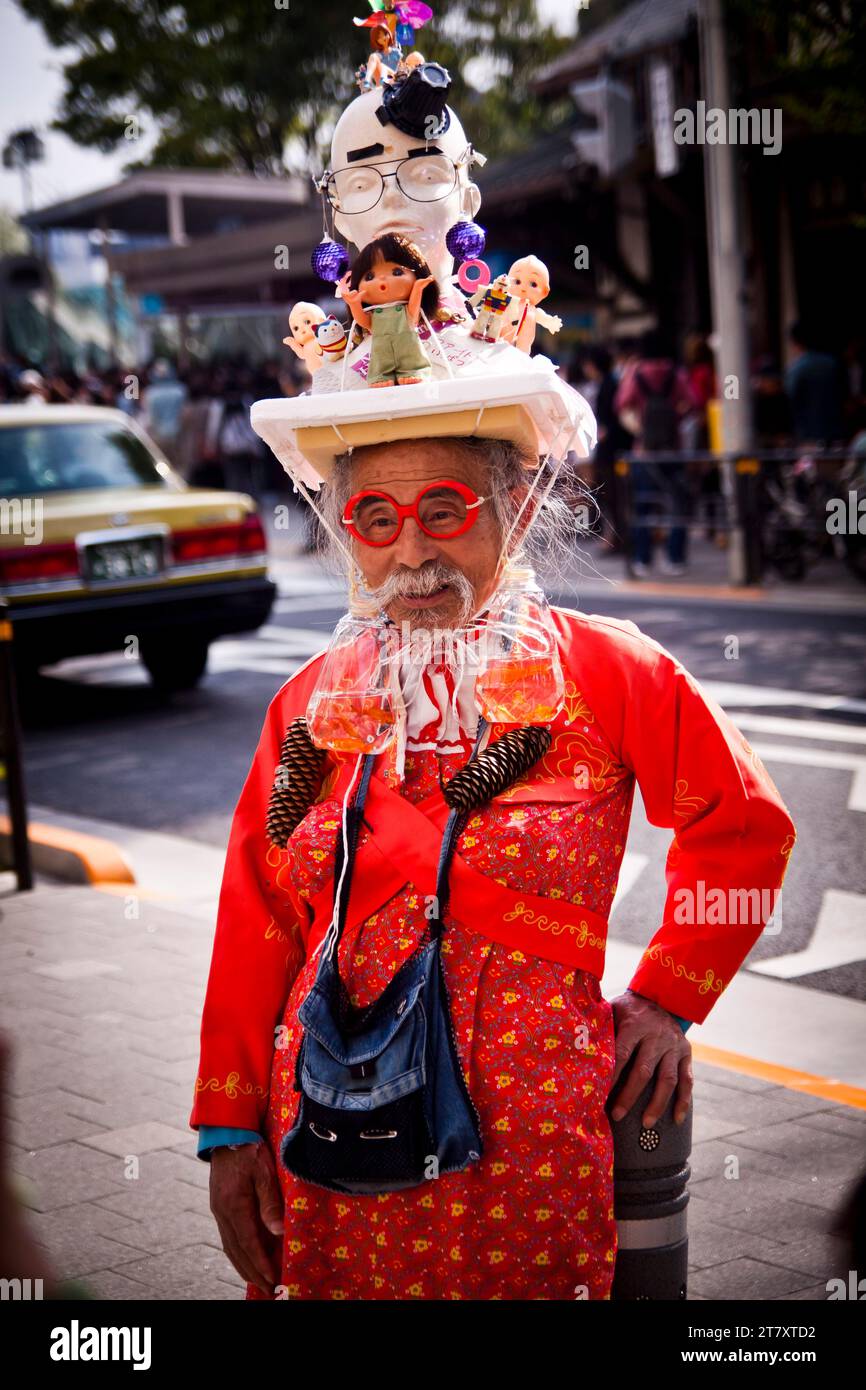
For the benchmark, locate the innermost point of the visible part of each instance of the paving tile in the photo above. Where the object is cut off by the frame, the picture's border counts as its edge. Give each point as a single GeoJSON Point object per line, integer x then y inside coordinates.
{"type": "Point", "coordinates": [85, 1218]}
{"type": "Point", "coordinates": [733, 1080]}
{"type": "Point", "coordinates": [763, 1215]}
{"type": "Point", "coordinates": [77, 969]}
{"type": "Point", "coordinates": [820, 1254]}
{"type": "Point", "coordinates": [163, 1232]}
{"type": "Point", "coordinates": [179, 1273]}
{"type": "Point", "coordinates": [137, 1139]}
{"type": "Point", "coordinates": [117, 1113]}
{"type": "Point", "coordinates": [748, 1279]}
{"type": "Point", "coordinates": [140, 1200]}
{"type": "Point", "coordinates": [793, 1140]}
{"type": "Point", "coordinates": [845, 1122]}
{"type": "Point", "coordinates": [817, 1293]}
{"type": "Point", "coordinates": [707, 1125]}
{"type": "Point", "coordinates": [69, 1173]}
{"type": "Point", "coordinates": [80, 1255]}
{"type": "Point", "coordinates": [52, 1128]}
{"type": "Point", "coordinates": [711, 1244]}
{"type": "Point", "coordinates": [111, 1285]}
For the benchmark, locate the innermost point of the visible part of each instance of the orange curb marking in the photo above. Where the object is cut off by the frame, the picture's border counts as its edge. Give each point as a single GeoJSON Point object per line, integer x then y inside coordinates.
{"type": "Point", "coordinates": [102, 861]}
{"type": "Point", "coordinates": [824, 1087]}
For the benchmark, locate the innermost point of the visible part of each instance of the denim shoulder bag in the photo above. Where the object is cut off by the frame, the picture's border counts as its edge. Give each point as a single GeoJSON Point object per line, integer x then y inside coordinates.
{"type": "Point", "coordinates": [384, 1102]}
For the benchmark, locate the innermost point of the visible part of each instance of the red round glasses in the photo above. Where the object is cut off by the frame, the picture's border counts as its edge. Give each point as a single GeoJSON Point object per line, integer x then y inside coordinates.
{"type": "Point", "coordinates": [443, 510]}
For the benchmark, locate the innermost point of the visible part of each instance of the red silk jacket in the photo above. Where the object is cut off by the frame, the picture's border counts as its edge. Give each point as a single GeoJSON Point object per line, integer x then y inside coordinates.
{"type": "Point", "coordinates": [631, 713]}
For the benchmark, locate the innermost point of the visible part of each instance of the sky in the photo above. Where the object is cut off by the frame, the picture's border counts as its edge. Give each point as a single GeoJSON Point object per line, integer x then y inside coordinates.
{"type": "Point", "coordinates": [31, 86]}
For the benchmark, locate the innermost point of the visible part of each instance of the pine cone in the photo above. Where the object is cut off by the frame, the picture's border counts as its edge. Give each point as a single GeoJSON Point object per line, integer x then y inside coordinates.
{"type": "Point", "coordinates": [497, 767]}
{"type": "Point", "coordinates": [297, 779]}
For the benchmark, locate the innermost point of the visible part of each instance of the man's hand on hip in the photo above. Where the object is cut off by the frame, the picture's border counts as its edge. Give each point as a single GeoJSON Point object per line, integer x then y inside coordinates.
{"type": "Point", "coordinates": [245, 1198]}
{"type": "Point", "coordinates": [649, 1034]}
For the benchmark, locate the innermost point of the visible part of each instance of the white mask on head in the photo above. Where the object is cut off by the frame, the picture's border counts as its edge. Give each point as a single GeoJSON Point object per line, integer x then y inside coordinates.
{"type": "Point", "coordinates": [426, 224]}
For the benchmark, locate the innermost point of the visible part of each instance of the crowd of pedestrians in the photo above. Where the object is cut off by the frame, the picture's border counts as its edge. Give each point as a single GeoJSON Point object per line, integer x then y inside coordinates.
{"type": "Point", "coordinates": [653, 405]}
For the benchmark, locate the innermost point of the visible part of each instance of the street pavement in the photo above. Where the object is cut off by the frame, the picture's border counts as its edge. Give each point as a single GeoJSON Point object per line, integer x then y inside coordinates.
{"type": "Point", "coordinates": [102, 990]}
{"type": "Point", "coordinates": [101, 996]}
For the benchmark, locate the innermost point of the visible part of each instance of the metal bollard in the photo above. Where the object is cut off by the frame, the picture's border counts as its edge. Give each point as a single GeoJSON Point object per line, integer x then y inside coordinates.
{"type": "Point", "coordinates": [651, 1171]}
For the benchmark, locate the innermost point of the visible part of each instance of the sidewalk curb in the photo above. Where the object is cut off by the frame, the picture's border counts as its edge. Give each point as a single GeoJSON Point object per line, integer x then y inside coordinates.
{"type": "Point", "coordinates": [69, 854]}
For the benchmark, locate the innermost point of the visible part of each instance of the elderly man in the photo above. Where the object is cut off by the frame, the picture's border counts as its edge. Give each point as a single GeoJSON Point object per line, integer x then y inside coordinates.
{"type": "Point", "coordinates": [539, 1045]}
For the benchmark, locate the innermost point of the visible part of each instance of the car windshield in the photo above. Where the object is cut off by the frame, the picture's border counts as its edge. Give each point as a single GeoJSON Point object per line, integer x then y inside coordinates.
{"type": "Point", "coordinates": [67, 456]}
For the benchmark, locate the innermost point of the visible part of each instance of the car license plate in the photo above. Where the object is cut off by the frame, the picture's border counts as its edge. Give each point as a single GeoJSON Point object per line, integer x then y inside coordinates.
{"type": "Point", "coordinates": [141, 558]}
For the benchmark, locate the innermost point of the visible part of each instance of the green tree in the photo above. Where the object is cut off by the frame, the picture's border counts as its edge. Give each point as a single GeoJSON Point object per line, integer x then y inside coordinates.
{"type": "Point", "coordinates": [232, 84]}
{"type": "Point", "coordinates": [812, 55]}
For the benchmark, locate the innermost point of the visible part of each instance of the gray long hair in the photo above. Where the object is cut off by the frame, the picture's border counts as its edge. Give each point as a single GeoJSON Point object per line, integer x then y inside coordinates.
{"type": "Point", "coordinates": [562, 518]}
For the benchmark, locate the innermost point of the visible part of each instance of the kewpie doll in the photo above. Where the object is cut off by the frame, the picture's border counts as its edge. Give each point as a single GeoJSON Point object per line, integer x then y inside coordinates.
{"type": "Point", "coordinates": [303, 321]}
{"type": "Point", "coordinates": [386, 289]}
{"type": "Point", "coordinates": [529, 283]}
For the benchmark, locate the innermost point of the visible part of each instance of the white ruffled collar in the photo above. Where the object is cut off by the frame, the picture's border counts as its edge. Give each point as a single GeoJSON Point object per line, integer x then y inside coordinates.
{"type": "Point", "coordinates": [435, 697]}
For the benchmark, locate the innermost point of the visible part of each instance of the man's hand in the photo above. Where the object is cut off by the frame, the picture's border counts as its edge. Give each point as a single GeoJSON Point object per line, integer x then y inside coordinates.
{"type": "Point", "coordinates": [646, 1029]}
{"type": "Point", "coordinates": [245, 1198]}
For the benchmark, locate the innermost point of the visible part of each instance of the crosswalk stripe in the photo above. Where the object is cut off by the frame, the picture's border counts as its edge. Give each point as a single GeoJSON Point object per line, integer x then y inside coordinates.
{"type": "Point", "coordinates": [839, 938]}
{"type": "Point", "coordinates": [732, 695]}
{"type": "Point", "coordinates": [801, 728]}
{"type": "Point", "coordinates": [820, 757]}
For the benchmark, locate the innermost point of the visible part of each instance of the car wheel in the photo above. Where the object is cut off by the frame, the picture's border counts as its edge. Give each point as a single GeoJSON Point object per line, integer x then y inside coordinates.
{"type": "Point", "coordinates": [174, 663]}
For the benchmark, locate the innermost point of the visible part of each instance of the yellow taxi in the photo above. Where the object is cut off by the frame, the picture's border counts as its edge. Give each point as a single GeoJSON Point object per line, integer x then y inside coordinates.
{"type": "Point", "coordinates": [103, 546]}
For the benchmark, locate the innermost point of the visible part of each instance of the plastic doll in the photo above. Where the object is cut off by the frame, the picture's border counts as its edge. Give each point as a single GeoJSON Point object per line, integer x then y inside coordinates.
{"type": "Point", "coordinates": [490, 302]}
{"type": "Point", "coordinates": [386, 289]}
{"type": "Point", "coordinates": [529, 283]}
{"type": "Point", "coordinates": [384, 59]}
{"type": "Point", "coordinates": [303, 321]}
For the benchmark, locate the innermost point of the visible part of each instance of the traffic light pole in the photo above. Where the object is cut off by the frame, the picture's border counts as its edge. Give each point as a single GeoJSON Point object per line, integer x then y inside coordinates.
{"type": "Point", "coordinates": [728, 290]}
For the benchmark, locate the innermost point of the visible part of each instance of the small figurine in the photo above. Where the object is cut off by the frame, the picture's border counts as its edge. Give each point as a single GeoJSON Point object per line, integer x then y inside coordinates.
{"type": "Point", "coordinates": [490, 302]}
{"type": "Point", "coordinates": [331, 337]}
{"type": "Point", "coordinates": [384, 60]}
{"type": "Point", "coordinates": [386, 289]}
{"type": "Point", "coordinates": [303, 321]}
{"type": "Point", "coordinates": [529, 282]}
{"type": "Point", "coordinates": [392, 28]}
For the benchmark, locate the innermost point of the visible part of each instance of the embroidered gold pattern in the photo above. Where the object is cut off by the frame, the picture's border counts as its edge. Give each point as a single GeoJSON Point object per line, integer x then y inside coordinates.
{"type": "Point", "coordinates": [710, 984]}
{"type": "Point", "coordinates": [685, 805]}
{"type": "Point", "coordinates": [581, 931]}
{"type": "Point", "coordinates": [230, 1086]}
{"type": "Point", "coordinates": [571, 755]}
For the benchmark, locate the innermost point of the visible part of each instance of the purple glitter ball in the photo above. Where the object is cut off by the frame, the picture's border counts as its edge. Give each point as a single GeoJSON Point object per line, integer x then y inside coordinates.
{"type": "Point", "coordinates": [330, 260]}
{"type": "Point", "coordinates": [465, 240]}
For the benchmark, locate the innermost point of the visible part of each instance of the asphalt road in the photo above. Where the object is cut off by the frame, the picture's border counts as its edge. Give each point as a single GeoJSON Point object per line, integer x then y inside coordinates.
{"type": "Point", "coordinates": [100, 744]}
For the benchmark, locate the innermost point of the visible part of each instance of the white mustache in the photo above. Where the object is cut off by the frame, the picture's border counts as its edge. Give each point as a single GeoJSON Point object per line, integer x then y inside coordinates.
{"type": "Point", "coordinates": [422, 582]}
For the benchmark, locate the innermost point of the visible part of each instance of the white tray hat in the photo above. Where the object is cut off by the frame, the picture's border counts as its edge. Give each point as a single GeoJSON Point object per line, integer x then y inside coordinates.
{"type": "Point", "coordinates": [488, 390]}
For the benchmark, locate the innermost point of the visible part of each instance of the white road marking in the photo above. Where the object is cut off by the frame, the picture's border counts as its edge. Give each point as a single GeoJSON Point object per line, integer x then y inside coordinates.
{"type": "Point", "coordinates": [288, 602]}
{"type": "Point", "coordinates": [801, 728]}
{"type": "Point", "coordinates": [839, 938]}
{"type": "Point", "coordinates": [820, 757]}
{"type": "Point", "coordinates": [732, 695]}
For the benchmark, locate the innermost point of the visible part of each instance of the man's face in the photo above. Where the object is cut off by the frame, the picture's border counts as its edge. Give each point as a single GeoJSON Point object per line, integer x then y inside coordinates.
{"type": "Point", "coordinates": [415, 565]}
